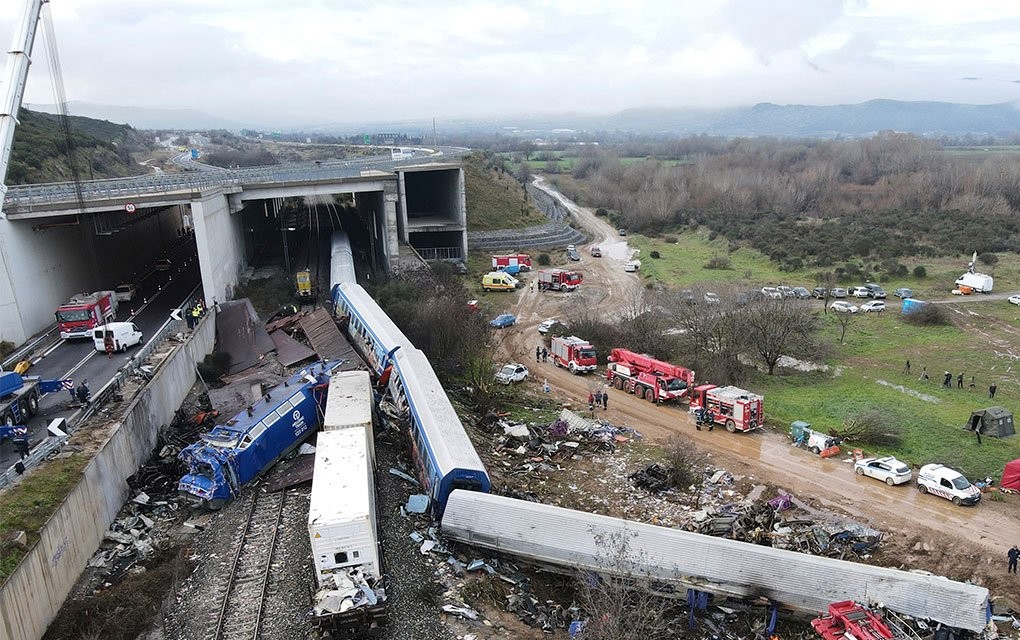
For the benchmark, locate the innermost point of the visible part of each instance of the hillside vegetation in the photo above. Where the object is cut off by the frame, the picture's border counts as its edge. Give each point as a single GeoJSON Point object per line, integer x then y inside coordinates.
{"type": "Point", "coordinates": [495, 199]}
{"type": "Point", "coordinates": [103, 149]}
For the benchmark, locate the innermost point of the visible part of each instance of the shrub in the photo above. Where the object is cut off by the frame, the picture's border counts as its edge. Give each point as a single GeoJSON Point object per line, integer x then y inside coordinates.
{"type": "Point", "coordinates": [929, 315]}
{"type": "Point", "coordinates": [601, 212]}
{"type": "Point", "coordinates": [988, 259]}
{"type": "Point", "coordinates": [543, 259]}
{"type": "Point", "coordinates": [869, 427]}
{"type": "Point", "coordinates": [670, 239]}
{"type": "Point", "coordinates": [686, 464]}
{"type": "Point", "coordinates": [920, 272]}
{"type": "Point", "coordinates": [655, 255]}
{"type": "Point", "coordinates": [718, 262]}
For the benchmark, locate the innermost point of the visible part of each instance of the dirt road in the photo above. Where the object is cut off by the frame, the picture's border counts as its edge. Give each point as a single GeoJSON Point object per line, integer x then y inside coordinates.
{"type": "Point", "coordinates": [971, 538]}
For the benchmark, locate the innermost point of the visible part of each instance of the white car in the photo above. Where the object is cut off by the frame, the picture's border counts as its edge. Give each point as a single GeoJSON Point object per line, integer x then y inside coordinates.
{"type": "Point", "coordinates": [512, 372]}
{"type": "Point", "coordinates": [873, 305]}
{"type": "Point", "coordinates": [126, 292]}
{"type": "Point", "coordinates": [631, 266]}
{"type": "Point", "coordinates": [772, 292]}
{"type": "Point", "coordinates": [1014, 299]}
{"type": "Point", "coordinates": [711, 298]}
{"type": "Point", "coordinates": [947, 483]}
{"type": "Point", "coordinates": [889, 470]}
{"type": "Point", "coordinates": [546, 325]}
{"type": "Point", "coordinates": [842, 306]}
{"type": "Point", "coordinates": [861, 292]}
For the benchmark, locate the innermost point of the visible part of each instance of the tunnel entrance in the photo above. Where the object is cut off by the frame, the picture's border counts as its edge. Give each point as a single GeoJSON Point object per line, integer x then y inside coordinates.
{"type": "Point", "coordinates": [434, 220]}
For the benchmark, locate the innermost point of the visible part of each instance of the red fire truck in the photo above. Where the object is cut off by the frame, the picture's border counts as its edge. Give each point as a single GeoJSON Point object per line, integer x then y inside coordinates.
{"type": "Point", "coordinates": [737, 409]}
{"type": "Point", "coordinates": [520, 260]}
{"type": "Point", "coordinates": [573, 353]}
{"type": "Point", "coordinates": [85, 311]}
{"type": "Point", "coordinates": [644, 376]}
{"type": "Point", "coordinates": [558, 279]}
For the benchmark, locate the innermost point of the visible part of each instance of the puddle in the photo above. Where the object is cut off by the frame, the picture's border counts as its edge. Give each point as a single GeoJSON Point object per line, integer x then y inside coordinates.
{"type": "Point", "coordinates": [910, 392]}
{"type": "Point", "coordinates": [617, 250]}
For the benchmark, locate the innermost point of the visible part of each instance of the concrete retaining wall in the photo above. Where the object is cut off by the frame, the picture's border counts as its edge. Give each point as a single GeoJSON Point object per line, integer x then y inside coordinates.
{"type": "Point", "coordinates": [33, 595]}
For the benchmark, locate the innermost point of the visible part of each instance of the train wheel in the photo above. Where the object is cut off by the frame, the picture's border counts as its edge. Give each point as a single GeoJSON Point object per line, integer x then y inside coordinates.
{"type": "Point", "coordinates": [731, 426]}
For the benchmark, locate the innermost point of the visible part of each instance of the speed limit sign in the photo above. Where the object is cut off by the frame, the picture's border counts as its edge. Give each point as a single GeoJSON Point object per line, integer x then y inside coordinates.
{"type": "Point", "coordinates": [130, 208]}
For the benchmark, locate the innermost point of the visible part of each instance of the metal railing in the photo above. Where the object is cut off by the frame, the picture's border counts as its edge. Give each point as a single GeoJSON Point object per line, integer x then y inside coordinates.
{"type": "Point", "coordinates": [439, 253]}
{"type": "Point", "coordinates": [110, 391]}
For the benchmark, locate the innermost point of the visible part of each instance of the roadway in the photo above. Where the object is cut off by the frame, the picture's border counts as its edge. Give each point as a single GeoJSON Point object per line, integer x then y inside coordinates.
{"type": "Point", "coordinates": [158, 294]}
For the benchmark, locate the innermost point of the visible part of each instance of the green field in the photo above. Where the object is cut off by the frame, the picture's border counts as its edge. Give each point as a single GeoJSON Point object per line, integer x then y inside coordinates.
{"type": "Point", "coordinates": [496, 200]}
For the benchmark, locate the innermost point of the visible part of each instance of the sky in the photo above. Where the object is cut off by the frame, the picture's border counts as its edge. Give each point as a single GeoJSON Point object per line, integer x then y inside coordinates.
{"type": "Point", "coordinates": [307, 62]}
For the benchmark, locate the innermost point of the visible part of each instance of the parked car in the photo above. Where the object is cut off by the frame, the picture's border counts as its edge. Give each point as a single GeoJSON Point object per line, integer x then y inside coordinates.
{"type": "Point", "coordinates": [786, 291]}
{"type": "Point", "coordinates": [801, 293]}
{"type": "Point", "coordinates": [711, 298]}
{"type": "Point", "coordinates": [861, 292]}
{"type": "Point", "coordinates": [889, 470]}
{"type": "Point", "coordinates": [547, 325]}
{"type": "Point", "coordinates": [596, 252]}
{"type": "Point", "coordinates": [163, 264]}
{"type": "Point", "coordinates": [687, 295]}
{"type": "Point", "coordinates": [512, 372]}
{"type": "Point", "coordinates": [873, 305]}
{"type": "Point", "coordinates": [622, 231]}
{"type": "Point", "coordinates": [1014, 299]}
{"type": "Point", "coordinates": [772, 293]}
{"type": "Point", "coordinates": [126, 292]}
{"type": "Point", "coordinates": [504, 320]}
{"type": "Point", "coordinates": [842, 306]}
{"type": "Point", "coordinates": [573, 254]}
{"type": "Point", "coordinates": [903, 292]}
{"type": "Point", "coordinates": [631, 266]}
{"type": "Point", "coordinates": [838, 292]}
{"type": "Point", "coordinates": [819, 293]}
{"type": "Point", "coordinates": [947, 483]}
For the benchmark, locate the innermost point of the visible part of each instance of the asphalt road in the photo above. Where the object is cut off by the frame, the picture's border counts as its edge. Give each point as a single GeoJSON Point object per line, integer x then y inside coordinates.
{"type": "Point", "coordinates": [159, 293]}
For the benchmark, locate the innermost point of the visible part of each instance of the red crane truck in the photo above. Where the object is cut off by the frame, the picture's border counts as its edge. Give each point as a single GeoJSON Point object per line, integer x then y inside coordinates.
{"type": "Point", "coordinates": [84, 312]}
{"type": "Point", "coordinates": [644, 376]}
{"type": "Point", "coordinates": [558, 279]}
{"type": "Point", "coordinates": [847, 619]}
{"type": "Point", "coordinates": [737, 409]}
{"type": "Point", "coordinates": [573, 353]}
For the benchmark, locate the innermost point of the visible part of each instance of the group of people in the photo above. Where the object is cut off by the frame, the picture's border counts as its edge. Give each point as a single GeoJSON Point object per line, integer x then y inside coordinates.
{"type": "Point", "coordinates": [194, 313]}
{"type": "Point", "coordinates": [541, 354]}
{"type": "Point", "coordinates": [596, 399]}
{"type": "Point", "coordinates": [702, 416]}
{"type": "Point", "coordinates": [947, 380]}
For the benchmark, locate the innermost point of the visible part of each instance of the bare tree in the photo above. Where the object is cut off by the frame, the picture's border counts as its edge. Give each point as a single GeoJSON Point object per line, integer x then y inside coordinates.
{"type": "Point", "coordinates": [777, 328]}
{"type": "Point", "coordinates": [844, 320]}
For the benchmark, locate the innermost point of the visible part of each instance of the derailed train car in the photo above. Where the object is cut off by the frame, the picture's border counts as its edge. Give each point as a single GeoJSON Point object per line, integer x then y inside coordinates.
{"type": "Point", "coordinates": [239, 450]}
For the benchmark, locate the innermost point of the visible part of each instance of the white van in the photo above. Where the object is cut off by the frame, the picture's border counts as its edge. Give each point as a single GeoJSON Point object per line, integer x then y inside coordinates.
{"type": "Point", "coordinates": [122, 335]}
{"type": "Point", "coordinates": [631, 266]}
{"type": "Point", "coordinates": [947, 483]}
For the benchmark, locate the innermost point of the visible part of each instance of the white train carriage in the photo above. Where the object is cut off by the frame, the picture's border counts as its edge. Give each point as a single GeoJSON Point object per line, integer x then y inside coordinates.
{"type": "Point", "coordinates": [344, 535]}
{"type": "Point", "coordinates": [341, 261]}
{"type": "Point", "coordinates": [350, 405]}
{"type": "Point", "coordinates": [443, 455]}
{"type": "Point", "coordinates": [370, 329]}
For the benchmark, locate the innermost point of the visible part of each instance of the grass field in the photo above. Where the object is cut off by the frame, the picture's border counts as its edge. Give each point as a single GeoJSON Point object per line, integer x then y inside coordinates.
{"type": "Point", "coordinates": [495, 200]}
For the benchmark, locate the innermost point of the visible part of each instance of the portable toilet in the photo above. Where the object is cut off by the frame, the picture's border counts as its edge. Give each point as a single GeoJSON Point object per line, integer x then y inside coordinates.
{"type": "Point", "coordinates": [911, 305]}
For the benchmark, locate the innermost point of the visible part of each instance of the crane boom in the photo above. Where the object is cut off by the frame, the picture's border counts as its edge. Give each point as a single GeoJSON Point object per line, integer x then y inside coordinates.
{"type": "Point", "coordinates": [19, 58]}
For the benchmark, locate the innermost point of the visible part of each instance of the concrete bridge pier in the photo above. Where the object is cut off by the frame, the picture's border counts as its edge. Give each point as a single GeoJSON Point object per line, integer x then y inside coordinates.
{"type": "Point", "coordinates": [219, 236]}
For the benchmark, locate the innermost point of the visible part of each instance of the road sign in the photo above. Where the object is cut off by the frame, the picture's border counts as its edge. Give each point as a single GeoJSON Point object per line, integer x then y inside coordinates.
{"type": "Point", "coordinates": [130, 208]}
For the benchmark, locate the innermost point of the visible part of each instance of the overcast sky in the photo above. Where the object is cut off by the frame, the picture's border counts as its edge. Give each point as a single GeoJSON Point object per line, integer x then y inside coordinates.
{"type": "Point", "coordinates": [303, 62]}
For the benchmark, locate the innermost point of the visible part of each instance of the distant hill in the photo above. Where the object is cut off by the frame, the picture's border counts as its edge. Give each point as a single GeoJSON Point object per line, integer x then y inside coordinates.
{"type": "Point", "coordinates": [145, 118]}
{"type": "Point", "coordinates": [103, 149]}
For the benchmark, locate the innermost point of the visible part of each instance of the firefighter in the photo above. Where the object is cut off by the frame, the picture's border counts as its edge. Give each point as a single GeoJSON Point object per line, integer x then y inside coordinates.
{"type": "Point", "coordinates": [196, 312]}
{"type": "Point", "coordinates": [709, 418]}
{"type": "Point", "coordinates": [699, 417]}
{"type": "Point", "coordinates": [83, 393]}
{"type": "Point", "coordinates": [538, 354]}
{"type": "Point", "coordinates": [21, 443]}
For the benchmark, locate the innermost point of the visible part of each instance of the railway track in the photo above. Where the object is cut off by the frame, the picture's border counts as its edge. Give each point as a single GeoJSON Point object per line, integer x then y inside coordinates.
{"type": "Point", "coordinates": [244, 595]}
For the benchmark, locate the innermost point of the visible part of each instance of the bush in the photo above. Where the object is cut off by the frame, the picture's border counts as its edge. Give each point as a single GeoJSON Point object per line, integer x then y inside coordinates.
{"type": "Point", "coordinates": [869, 427]}
{"type": "Point", "coordinates": [988, 259]}
{"type": "Point", "coordinates": [920, 272]}
{"type": "Point", "coordinates": [929, 315]}
{"type": "Point", "coordinates": [543, 259]}
{"type": "Point", "coordinates": [670, 239]}
{"type": "Point", "coordinates": [718, 262]}
{"type": "Point", "coordinates": [601, 212]}
{"type": "Point", "coordinates": [655, 255]}
{"type": "Point", "coordinates": [686, 463]}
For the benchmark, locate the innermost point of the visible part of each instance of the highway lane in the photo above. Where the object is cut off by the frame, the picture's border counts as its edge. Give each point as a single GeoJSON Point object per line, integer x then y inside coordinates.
{"type": "Point", "coordinates": [78, 359]}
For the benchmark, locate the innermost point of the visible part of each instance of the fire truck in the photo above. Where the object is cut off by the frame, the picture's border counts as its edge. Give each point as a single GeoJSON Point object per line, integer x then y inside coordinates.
{"type": "Point", "coordinates": [85, 311]}
{"type": "Point", "coordinates": [648, 378]}
{"type": "Point", "coordinates": [847, 619]}
{"type": "Point", "coordinates": [573, 353]}
{"type": "Point", "coordinates": [737, 409]}
{"type": "Point", "coordinates": [558, 279]}
{"type": "Point", "coordinates": [520, 260]}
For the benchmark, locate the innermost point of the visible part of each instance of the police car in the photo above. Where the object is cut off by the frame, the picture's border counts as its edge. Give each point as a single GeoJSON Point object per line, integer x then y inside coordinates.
{"type": "Point", "coordinates": [940, 480]}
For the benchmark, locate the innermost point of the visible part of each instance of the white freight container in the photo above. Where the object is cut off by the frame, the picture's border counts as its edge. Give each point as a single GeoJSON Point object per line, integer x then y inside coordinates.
{"type": "Point", "coordinates": [349, 404]}
{"type": "Point", "coordinates": [341, 516]}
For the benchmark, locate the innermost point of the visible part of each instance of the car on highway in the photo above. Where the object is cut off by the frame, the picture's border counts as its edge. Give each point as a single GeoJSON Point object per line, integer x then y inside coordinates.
{"type": "Point", "coordinates": [504, 320]}
{"type": "Point", "coordinates": [842, 306]}
{"type": "Point", "coordinates": [873, 306]}
{"type": "Point", "coordinates": [572, 253]}
{"type": "Point", "coordinates": [1014, 299]}
{"type": "Point", "coordinates": [903, 292]}
{"type": "Point", "coordinates": [801, 293]}
{"type": "Point", "coordinates": [888, 469]}
{"type": "Point", "coordinates": [838, 292]}
{"type": "Point", "coordinates": [771, 293]}
{"type": "Point", "coordinates": [512, 372]}
{"type": "Point", "coordinates": [126, 292]}
{"type": "Point", "coordinates": [163, 264]}
{"type": "Point", "coordinates": [546, 325]}
{"type": "Point", "coordinates": [819, 293]}
{"type": "Point", "coordinates": [948, 483]}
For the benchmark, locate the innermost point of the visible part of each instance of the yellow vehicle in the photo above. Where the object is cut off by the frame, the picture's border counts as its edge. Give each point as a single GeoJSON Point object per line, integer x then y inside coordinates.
{"type": "Point", "coordinates": [499, 281]}
{"type": "Point", "coordinates": [304, 284]}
